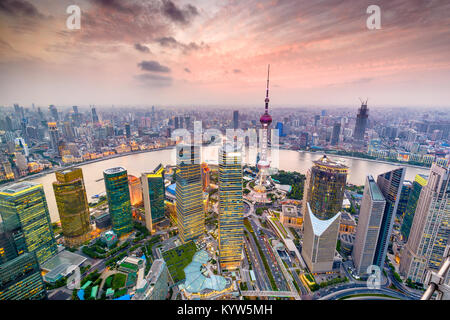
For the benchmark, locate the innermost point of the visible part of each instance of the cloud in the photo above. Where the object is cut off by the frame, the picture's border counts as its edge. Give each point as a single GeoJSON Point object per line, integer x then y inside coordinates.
{"type": "Point", "coordinates": [187, 70]}
{"type": "Point", "coordinates": [154, 80]}
{"type": "Point", "coordinates": [20, 8]}
{"type": "Point", "coordinates": [182, 16]}
{"type": "Point", "coordinates": [141, 48]}
{"type": "Point", "coordinates": [171, 42]}
{"type": "Point", "coordinates": [153, 66]}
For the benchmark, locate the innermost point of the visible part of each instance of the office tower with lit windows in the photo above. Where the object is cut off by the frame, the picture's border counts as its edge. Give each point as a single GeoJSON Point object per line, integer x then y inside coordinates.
{"type": "Point", "coordinates": [135, 186]}
{"type": "Point", "coordinates": [189, 194]}
{"type": "Point", "coordinates": [390, 184]}
{"type": "Point", "coordinates": [118, 194]}
{"type": "Point", "coordinates": [322, 197]}
{"type": "Point", "coordinates": [73, 207]}
{"type": "Point", "coordinates": [361, 121]}
{"type": "Point", "coordinates": [420, 181]}
{"type": "Point", "coordinates": [430, 231]}
{"type": "Point", "coordinates": [25, 215]}
{"type": "Point", "coordinates": [231, 208]}
{"type": "Point", "coordinates": [324, 187]}
{"type": "Point", "coordinates": [20, 279]}
{"type": "Point", "coordinates": [153, 190]}
{"type": "Point", "coordinates": [369, 223]}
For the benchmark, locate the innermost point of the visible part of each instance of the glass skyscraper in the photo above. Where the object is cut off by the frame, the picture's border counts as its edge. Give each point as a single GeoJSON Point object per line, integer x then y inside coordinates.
{"type": "Point", "coordinates": [153, 194]}
{"type": "Point", "coordinates": [25, 217]}
{"type": "Point", "coordinates": [419, 182]}
{"type": "Point", "coordinates": [118, 194]}
{"type": "Point", "coordinates": [189, 193]}
{"type": "Point", "coordinates": [73, 207]}
{"type": "Point", "coordinates": [231, 208]}
{"type": "Point", "coordinates": [390, 184]}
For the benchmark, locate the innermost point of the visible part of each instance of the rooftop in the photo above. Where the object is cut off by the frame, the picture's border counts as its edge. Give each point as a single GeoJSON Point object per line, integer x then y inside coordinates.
{"type": "Point", "coordinates": [374, 189]}
{"type": "Point", "coordinates": [114, 170]}
{"type": "Point", "coordinates": [18, 187]}
{"type": "Point", "coordinates": [320, 226]}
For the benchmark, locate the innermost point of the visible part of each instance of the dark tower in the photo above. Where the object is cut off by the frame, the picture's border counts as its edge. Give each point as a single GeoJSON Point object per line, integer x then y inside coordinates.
{"type": "Point", "coordinates": [361, 121]}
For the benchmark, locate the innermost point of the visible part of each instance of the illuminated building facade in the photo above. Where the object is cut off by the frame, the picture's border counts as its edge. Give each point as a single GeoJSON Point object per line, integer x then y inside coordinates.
{"type": "Point", "coordinates": [73, 207]}
{"type": "Point", "coordinates": [430, 229]}
{"type": "Point", "coordinates": [153, 190]}
{"type": "Point", "coordinates": [290, 217]}
{"type": "Point", "coordinates": [25, 215]}
{"type": "Point", "coordinates": [134, 184]}
{"type": "Point", "coordinates": [324, 187]}
{"type": "Point", "coordinates": [322, 198]}
{"type": "Point", "coordinates": [20, 279]}
{"type": "Point", "coordinates": [231, 208]}
{"type": "Point", "coordinates": [189, 194]}
{"type": "Point", "coordinates": [118, 194]}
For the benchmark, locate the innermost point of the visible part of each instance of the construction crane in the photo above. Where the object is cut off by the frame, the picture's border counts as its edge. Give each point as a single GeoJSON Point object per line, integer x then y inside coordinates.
{"type": "Point", "coordinates": [436, 280]}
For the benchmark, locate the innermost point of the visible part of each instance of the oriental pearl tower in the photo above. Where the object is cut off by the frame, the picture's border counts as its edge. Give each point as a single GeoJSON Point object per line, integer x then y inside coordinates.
{"type": "Point", "coordinates": [266, 120]}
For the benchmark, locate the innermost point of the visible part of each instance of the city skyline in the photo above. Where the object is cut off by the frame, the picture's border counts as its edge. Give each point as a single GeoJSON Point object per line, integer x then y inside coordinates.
{"type": "Point", "coordinates": [132, 52]}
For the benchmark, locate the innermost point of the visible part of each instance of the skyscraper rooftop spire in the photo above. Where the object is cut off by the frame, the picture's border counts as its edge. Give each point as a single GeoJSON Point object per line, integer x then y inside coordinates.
{"type": "Point", "coordinates": [267, 90]}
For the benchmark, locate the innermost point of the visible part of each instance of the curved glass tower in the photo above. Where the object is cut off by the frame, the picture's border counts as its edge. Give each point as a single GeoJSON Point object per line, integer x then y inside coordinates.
{"type": "Point", "coordinates": [73, 208]}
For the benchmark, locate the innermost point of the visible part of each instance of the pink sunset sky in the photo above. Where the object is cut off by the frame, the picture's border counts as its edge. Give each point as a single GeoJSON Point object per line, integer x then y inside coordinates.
{"type": "Point", "coordinates": [202, 52]}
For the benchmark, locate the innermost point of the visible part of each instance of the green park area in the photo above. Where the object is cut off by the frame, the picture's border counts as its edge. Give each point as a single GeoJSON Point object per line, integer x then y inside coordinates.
{"type": "Point", "coordinates": [178, 258]}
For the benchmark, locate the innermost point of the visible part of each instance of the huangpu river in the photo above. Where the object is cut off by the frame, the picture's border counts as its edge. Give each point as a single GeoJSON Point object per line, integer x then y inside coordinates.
{"type": "Point", "coordinates": [143, 162]}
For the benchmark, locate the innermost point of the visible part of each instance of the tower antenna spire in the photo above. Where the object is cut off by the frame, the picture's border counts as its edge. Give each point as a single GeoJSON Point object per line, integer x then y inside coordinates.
{"type": "Point", "coordinates": [267, 90]}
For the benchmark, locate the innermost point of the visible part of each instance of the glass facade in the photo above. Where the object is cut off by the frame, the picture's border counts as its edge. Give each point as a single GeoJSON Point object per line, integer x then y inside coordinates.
{"type": "Point", "coordinates": [189, 193]}
{"type": "Point", "coordinates": [154, 191]}
{"type": "Point", "coordinates": [25, 216]}
{"type": "Point", "coordinates": [73, 207]}
{"type": "Point", "coordinates": [408, 217]}
{"type": "Point", "coordinates": [231, 209]}
{"type": "Point", "coordinates": [390, 184]}
{"type": "Point", "coordinates": [118, 194]}
{"type": "Point", "coordinates": [20, 279]}
{"type": "Point", "coordinates": [324, 188]}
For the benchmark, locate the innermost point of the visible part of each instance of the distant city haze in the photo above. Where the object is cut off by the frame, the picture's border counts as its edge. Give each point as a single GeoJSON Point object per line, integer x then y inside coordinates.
{"type": "Point", "coordinates": [188, 52]}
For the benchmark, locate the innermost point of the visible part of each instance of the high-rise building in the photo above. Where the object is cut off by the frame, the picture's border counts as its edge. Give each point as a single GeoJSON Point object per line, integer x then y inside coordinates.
{"type": "Point", "coordinates": [127, 130]}
{"type": "Point", "coordinates": [361, 122]}
{"type": "Point", "coordinates": [369, 223]}
{"type": "Point", "coordinates": [118, 194]}
{"type": "Point", "coordinates": [155, 285]}
{"type": "Point", "coordinates": [135, 186]}
{"type": "Point", "coordinates": [54, 112]}
{"type": "Point", "coordinates": [94, 115]}
{"type": "Point", "coordinates": [404, 196]}
{"type": "Point", "coordinates": [336, 133]}
{"type": "Point", "coordinates": [323, 196]}
{"type": "Point", "coordinates": [319, 241]}
{"type": "Point", "coordinates": [20, 279]}
{"type": "Point", "coordinates": [390, 184]}
{"type": "Point", "coordinates": [153, 190]}
{"type": "Point", "coordinates": [324, 187]}
{"type": "Point", "coordinates": [73, 207]}
{"type": "Point", "coordinates": [231, 208]}
{"type": "Point", "coordinates": [54, 136]}
{"type": "Point", "coordinates": [236, 119]}
{"type": "Point", "coordinates": [430, 231]}
{"type": "Point", "coordinates": [419, 182]}
{"type": "Point", "coordinates": [189, 194]}
{"type": "Point", "coordinates": [25, 215]}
